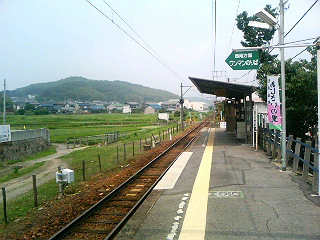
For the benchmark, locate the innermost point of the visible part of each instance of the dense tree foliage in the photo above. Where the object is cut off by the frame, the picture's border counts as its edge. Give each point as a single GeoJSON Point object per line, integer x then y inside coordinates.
{"type": "Point", "coordinates": [9, 103]}
{"type": "Point", "coordinates": [301, 79]}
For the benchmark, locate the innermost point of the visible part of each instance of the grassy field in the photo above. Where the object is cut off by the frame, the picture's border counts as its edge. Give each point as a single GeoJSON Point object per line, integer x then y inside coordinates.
{"type": "Point", "coordinates": [72, 126]}
{"type": "Point", "coordinates": [112, 157]}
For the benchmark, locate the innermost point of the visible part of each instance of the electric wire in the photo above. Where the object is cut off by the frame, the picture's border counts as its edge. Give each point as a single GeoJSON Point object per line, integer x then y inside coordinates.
{"type": "Point", "coordinates": [299, 53]}
{"type": "Point", "coordinates": [301, 18]}
{"type": "Point", "coordinates": [297, 22]}
{"type": "Point", "coordinates": [125, 32]}
{"type": "Point", "coordinates": [308, 39]}
{"type": "Point", "coordinates": [138, 35]}
{"type": "Point", "coordinates": [234, 24]}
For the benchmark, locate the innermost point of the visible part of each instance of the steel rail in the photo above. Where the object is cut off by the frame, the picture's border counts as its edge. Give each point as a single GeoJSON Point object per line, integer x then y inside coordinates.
{"type": "Point", "coordinates": [75, 223]}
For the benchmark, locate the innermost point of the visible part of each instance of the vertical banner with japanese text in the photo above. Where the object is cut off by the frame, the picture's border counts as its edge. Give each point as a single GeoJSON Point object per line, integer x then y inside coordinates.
{"type": "Point", "coordinates": [273, 100]}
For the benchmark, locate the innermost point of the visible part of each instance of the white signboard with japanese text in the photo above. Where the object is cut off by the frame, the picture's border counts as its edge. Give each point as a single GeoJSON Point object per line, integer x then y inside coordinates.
{"type": "Point", "coordinates": [5, 133]}
{"type": "Point", "coordinates": [273, 100]}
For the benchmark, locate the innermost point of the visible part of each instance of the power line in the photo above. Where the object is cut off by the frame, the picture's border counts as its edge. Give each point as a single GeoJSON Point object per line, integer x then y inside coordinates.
{"type": "Point", "coordinates": [298, 22]}
{"type": "Point", "coordinates": [299, 53]}
{"type": "Point", "coordinates": [234, 24]}
{"type": "Point", "coordinates": [301, 40]}
{"type": "Point", "coordinates": [136, 33]}
{"type": "Point", "coordinates": [301, 18]}
{"type": "Point", "coordinates": [153, 55]}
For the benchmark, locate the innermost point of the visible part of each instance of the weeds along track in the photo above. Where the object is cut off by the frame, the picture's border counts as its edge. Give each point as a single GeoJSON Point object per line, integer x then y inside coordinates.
{"type": "Point", "coordinates": [105, 219]}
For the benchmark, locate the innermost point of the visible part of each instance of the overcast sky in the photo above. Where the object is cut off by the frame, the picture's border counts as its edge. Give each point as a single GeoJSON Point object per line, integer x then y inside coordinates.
{"type": "Point", "coordinates": [48, 40]}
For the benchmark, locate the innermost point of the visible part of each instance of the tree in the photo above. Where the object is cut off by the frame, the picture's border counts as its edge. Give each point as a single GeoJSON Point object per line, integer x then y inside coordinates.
{"type": "Point", "coordinates": [301, 93]}
{"type": "Point", "coordinates": [256, 37]}
{"type": "Point", "coordinates": [29, 107]}
{"type": "Point", "coordinates": [9, 102]}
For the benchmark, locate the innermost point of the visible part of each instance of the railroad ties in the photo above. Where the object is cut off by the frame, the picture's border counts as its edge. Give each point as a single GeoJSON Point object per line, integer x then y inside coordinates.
{"type": "Point", "coordinates": [108, 216]}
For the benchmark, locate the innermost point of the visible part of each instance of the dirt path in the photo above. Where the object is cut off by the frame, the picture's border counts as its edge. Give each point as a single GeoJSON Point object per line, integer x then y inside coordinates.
{"type": "Point", "coordinates": [18, 186]}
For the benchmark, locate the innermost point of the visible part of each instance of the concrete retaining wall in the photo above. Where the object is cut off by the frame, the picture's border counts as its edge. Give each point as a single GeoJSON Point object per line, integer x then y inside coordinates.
{"type": "Point", "coordinates": [18, 149]}
{"type": "Point", "coordinates": [28, 134]}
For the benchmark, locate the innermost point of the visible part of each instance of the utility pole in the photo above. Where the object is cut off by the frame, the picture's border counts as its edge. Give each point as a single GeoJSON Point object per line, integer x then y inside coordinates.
{"type": "Point", "coordinates": [283, 89]}
{"type": "Point", "coordinates": [317, 42]}
{"type": "Point", "coordinates": [181, 104]}
{"type": "Point", "coordinates": [4, 102]}
{"type": "Point", "coordinates": [181, 108]}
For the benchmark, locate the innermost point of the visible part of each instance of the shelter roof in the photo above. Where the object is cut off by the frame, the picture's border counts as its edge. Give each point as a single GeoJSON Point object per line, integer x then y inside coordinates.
{"type": "Point", "coordinates": [222, 89]}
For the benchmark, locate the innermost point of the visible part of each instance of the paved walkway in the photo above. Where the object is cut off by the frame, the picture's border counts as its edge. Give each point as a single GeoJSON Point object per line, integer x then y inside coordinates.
{"type": "Point", "coordinates": [21, 185]}
{"type": "Point", "coordinates": [222, 189]}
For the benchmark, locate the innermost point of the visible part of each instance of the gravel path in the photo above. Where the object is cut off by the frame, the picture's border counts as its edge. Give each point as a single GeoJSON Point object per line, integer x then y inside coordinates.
{"type": "Point", "coordinates": [18, 186]}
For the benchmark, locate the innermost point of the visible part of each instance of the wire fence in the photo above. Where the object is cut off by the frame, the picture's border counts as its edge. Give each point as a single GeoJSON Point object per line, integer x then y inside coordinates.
{"type": "Point", "coordinates": [114, 155]}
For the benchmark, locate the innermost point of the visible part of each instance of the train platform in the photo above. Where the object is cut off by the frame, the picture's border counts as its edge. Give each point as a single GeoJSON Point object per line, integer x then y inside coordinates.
{"type": "Point", "coordinates": [220, 188]}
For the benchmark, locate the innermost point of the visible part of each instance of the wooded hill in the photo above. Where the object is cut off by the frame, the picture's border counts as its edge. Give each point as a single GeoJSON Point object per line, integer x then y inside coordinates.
{"type": "Point", "coordinates": [82, 89]}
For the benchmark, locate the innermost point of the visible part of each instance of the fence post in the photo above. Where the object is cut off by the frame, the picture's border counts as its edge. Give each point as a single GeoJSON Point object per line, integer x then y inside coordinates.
{"type": "Point", "coordinates": [163, 134]}
{"type": "Point", "coordinates": [263, 140]}
{"type": "Point", "coordinates": [305, 170]}
{"type": "Point", "coordinates": [60, 184]}
{"type": "Point", "coordinates": [80, 141]}
{"type": "Point", "coordinates": [35, 192]}
{"type": "Point", "coordinates": [159, 135]}
{"type": "Point", "coordinates": [68, 143]}
{"type": "Point", "coordinates": [140, 144]}
{"type": "Point", "coordinates": [87, 143]}
{"type": "Point", "coordinates": [275, 142]}
{"type": "Point", "coordinates": [295, 164]}
{"type": "Point", "coordinates": [289, 148]}
{"type": "Point", "coordinates": [124, 152]}
{"type": "Point", "coordinates": [4, 205]}
{"type": "Point", "coordinates": [84, 170]}
{"type": "Point", "coordinates": [269, 143]}
{"type": "Point", "coordinates": [117, 155]}
{"type": "Point", "coordinates": [279, 154]}
{"type": "Point", "coordinates": [99, 159]}
{"type": "Point", "coordinates": [132, 148]}
{"type": "Point", "coordinates": [74, 142]}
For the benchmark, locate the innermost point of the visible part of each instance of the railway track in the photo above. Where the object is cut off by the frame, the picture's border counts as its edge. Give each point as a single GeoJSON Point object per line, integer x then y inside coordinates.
{"type": "Point", "coordinates": [105, 219]}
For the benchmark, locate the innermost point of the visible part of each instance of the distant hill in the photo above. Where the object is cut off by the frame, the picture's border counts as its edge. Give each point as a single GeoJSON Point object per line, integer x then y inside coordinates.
{"type": "Point", "coordinates": [82, 89]}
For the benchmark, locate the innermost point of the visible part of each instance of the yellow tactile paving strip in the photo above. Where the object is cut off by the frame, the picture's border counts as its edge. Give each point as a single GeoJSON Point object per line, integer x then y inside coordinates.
{"type": "Point", "coordinates": [194, 224]}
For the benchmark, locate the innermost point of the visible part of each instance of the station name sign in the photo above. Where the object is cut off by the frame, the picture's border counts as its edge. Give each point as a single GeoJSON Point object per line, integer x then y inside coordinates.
{"type": "Point", "coordinates": [246, 60]}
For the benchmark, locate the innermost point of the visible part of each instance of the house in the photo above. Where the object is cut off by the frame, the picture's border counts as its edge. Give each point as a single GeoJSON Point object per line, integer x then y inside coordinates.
{"type": "Point", "coordinates": [126, 108]}
{"type": "Point", "coordinates": [261, 109]}
{"type": "Point", "coordinates": [83, 107]}
{"type": "Point", "coordinates": [47, 106]}
{"type": "Point", "coordinates": [133, 105]}
{"type": "Point", "coordinates": [152, 108]}
{"type": "Point", "coordinates": [198, 106]}
{"type": "Point", "coordinates": [98, 109]}
{"type": "Point", "coordinates": [115, 108]}
{"type": "Point", "coordinates": [19, 105]}
{"type": "Point", "coordinates": [67, 110]}
{"type": "Point", "coordinates": [171, 105]}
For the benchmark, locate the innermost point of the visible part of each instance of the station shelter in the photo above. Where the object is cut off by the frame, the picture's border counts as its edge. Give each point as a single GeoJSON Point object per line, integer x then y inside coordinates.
{"type": "Point", "coordinates": [238, 104]}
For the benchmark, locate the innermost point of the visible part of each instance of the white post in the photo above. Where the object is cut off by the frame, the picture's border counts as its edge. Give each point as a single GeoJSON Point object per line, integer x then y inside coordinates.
{"type": "Point", "coordinates": [254, 127]}
{"type": "Point", "coordinates": [283, 89]}
{"type": "Point", "coordinates": [257, 127]}
{"type": "Point", "coordinates": [318, 82]}
{"type": "Point", "coordinates": [4, 102]}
